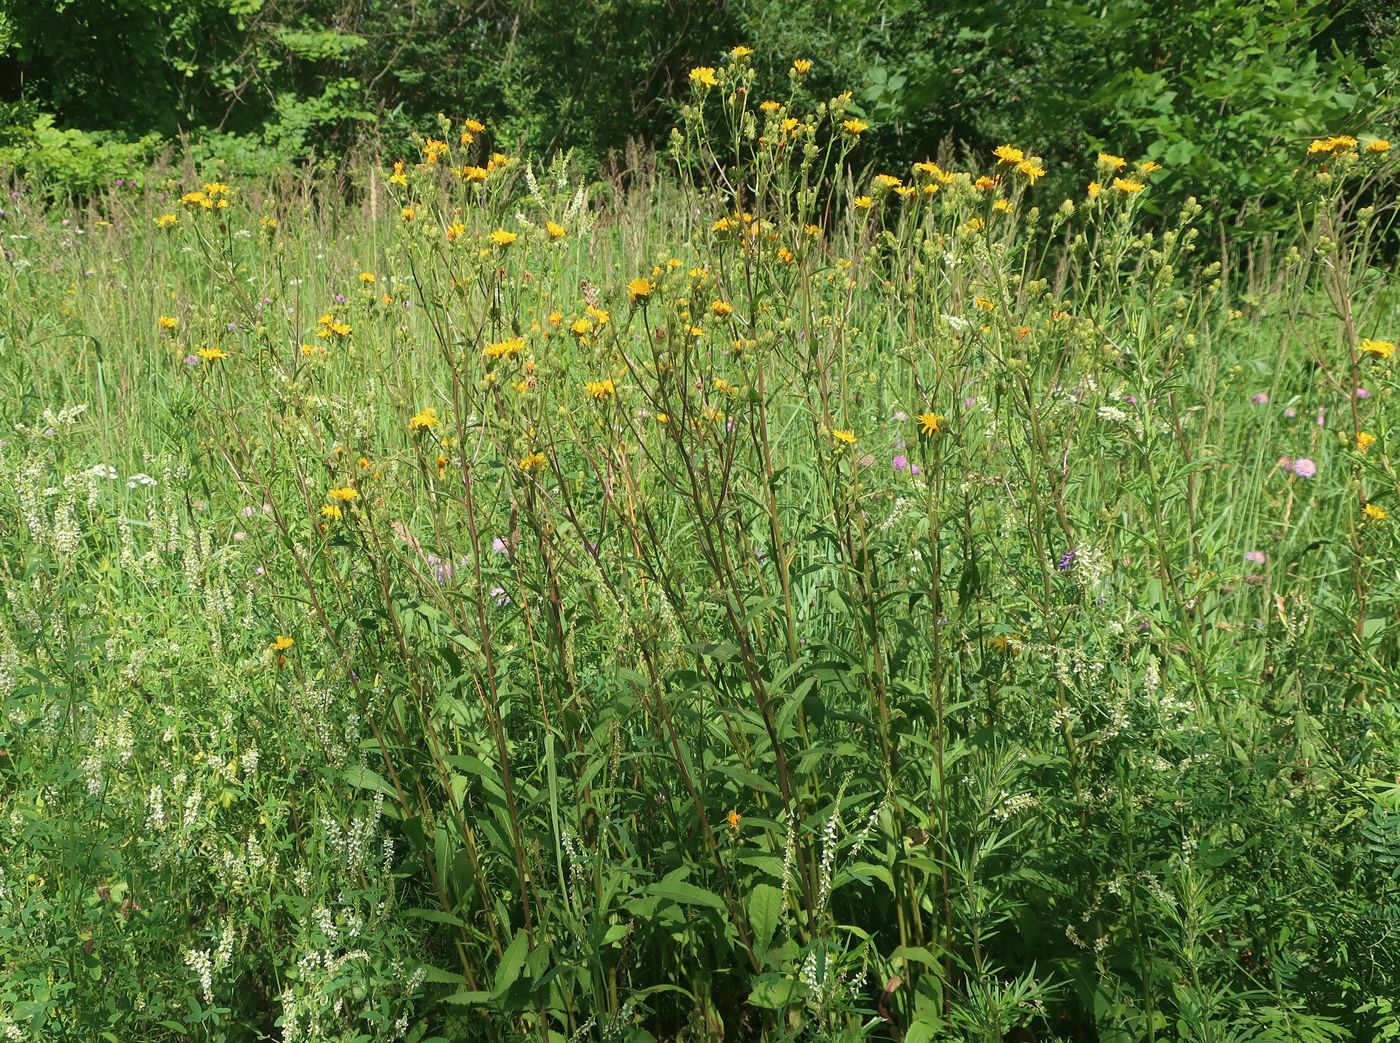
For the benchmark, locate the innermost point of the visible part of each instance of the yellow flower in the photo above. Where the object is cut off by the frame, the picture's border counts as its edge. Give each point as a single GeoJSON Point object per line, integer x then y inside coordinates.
{"type": "Point", "coordinates": [555, 318]}
{"type": "Point", "coordinates": [724, 387]}
{"type": "Point", "coordinates": [844, 437]}
{"type": "Point", "coordinates": [1364, 440]}
{"type": "Point", "coordinates": [600, 389]}
{"type": "Point", "coordinates": [1094, 189]}
{"type": "Point", "coordinates": [1374, 513]}
{"type": "Point", "coordinates": [166, 221]}
{"type": "Point", "coordinates": [1032, 168]}
{"type": "Point", "coordinates": [722, 308]}
{"type": "Point", "coordinates": [332, 511]}
{"type": "Point", "coordinates": [212, 354]}
{"type": "Point", "coordinates": [739, 53]}
{"type": "Point", "coordinates": [598, 315]}
{"type": "Point", "coordinates": [802, 66]}
{"type": "Point", "coordinates": [854, 127]}
{"type": "Point", "coordinates": [1110, 162]}
{"type": "Point", "coordinates": [505, 348]}
{"type": "Point", "coordinates": [790, 125]}
{"type": "Point", "coordinates": [424, 420]}
{"type": "Point", "coordinates": [502, 238]}
{"type": "Point", "coordinates": [886, 181]}
{"type": "Point", "coordinates": [581, 327]}
{"type": "Point", "coordinates": [281, 643]}
{"type": "Point", "coordinates": [532, 462]}
{"type": "Point", "coordinates": [984, 303]}
{"type": "Point", "coordinates": [398, 177]}
{"type": "Point", "coordinates": [734, 818]}
{"type": "Point", "coordinates": [1382, 349]}
{"type": "Point", "coordinates": [863, 202]}
{"type": "Point", "coordinates": [1379, 145]}
{"type": "Point", "coordinates": [344, 494]}
{"type": "Point", "coordinates": [985, 183]}
{"type": "Point", "coordinates": [928, 423]}
{"type": "Point", "coordinates": [474, 126]}
{"type": "Point", "coordinates": [770, 106]}
{"type": "Point", "coordinates": [1128, 186]}
{"type": "Point", "coordinates": [1148, 166]}
{"type": "Point", "coordinates": [408, 213]}
{"type": "Point", "coordinates": [1008, 154]}
{"type": "Point", "coordinates": [168, 322]}
{"type": "Point", "coordinates": [663, 418]}
{"type": "Point", "coordinates": [638, 290]}
{"type": "Point", "coordinates": [1002, 206]}
{"type": "Point", "coordinates": [474, 174]}
{"type": "Point", "coordinates": [216, 188]}
{"type": "Point", "coordinates": [703, 77]}
{"type": "Point", "coordinates": [367, 278]}
{"type": "Point", "coordinates": [1332, 145]}
{"type": "Point", "coordinates": [785, 255]}
{"type": "Point", "coordinates": [554, 230]}
{"type": "Point", "coordinates": [434, 149]}
{"type": "Point", "coordinates": [456, 231]}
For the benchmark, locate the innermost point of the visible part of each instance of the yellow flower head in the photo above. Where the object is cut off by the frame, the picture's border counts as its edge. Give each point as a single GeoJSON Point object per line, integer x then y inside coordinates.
{"type": "Point", "coordinates": [639, 289]}
{"type": "Point", "coordinates": [408, 213]}
{"type": "Point", "coordinates": [703, 77]}
{"type": "Point", "coordinates": [734, 818]}
{"type": "Point", "coordinates": [554, 230]}
{"type": "Point", "coordinates": [424, 420]}
{"type": "Point", "coordinates": [928, 423]}
{"type": "Point", "coordinates": [1128, 186]}
{"type": "Point", "coordinates": [500, 237]}
{"type": "Point", "coordinates": [1032, 168]}
{"type": "Point", "coordinates": [802, 66]}
{"type": "Point", "coordinates": [532, 462]}
{"type": "Point", "coordinates": [367, 278]}
{"type": "Point", "coordinates": [854, 127]}
{"type": "Point", "coordinates": [722, 308]}
{"type": "Point", "coordinates": [212, 354]}
{"type": "Point", "coordinates": [168, 322]}
{"type": "Point", "coordinates": [1008, 154]}
{"type": "Point", "coordinates": [581, 327]}
{"type": "Point", "coordinates": [740, 53]}
{"type": "Point", "coordinates": [1382, 349]}
{"type": "Point", "coordinates": [344, 494]}
{"type": "Point", "coordinates": [1109, 162]}
{"type": "Point", "coordinates": [332, 511]}
{"type": "Point", "coordinates": [1374, 513]}
{"type": "Point", "coordinates": [1364, 440]}
{"type": "Point", "coordinates": [844, 437]}
{"type": "Point", "coordinates": [504, 348]}
{"type": "Point", "coordinates": [474, 126]}
{"type": "Point", "coordinates": [600, 389]}
{"type": "Point", "coordinates": [1378, 145]}
{"type": "Point", "coordinates": [473, 174]}
{"type": "Point", "coordinates": [281, 643]}
{"type": "Point", "coordinates": [984, 304]}
{"type": "Point", "coordinates": [166, 221]}
{"type": "Point", "coordinates": [455, 231]}
{"type": "Point", "coordinates": [863, 202]}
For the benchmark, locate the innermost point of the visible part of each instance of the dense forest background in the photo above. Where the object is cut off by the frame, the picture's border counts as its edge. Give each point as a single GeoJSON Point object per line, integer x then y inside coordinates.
{"type": "Point", "coordinates": [1217, 91]}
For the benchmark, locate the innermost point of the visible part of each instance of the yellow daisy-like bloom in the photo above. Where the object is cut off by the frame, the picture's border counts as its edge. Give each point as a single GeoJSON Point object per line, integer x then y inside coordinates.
{"type": "Point", "coordinates": [722, 308]}
{"type": "Point", "coordinates": [532, 462]}
{"type": "Point", "coordinates": [1378, 145]}
{"type": "Point", "coordinates": [638, 290]}
{"type": "Point", "coordinates": [367, 278]}
{"type": "Point", "coordinates": [598, 315]}
{"type": "Point", "coordinates": [600, 389]}
{"type": "Point", "coordinates": [985, 183]}
{"type": "Point", "coordinates": [1108, 161]}
{"type": "Point", "coordinates": [434, 149]}
{"type": "Point", "coordinates": [790, 125]}
{"type": "Point", "coordinates": [844, 437]}
{"type": "Point", "coordinates": [332, 511]}
{"type": "Point", "coordinates": [886, 181]}
{"type": "Point", "coordinates": [928, 423]}
{"type": "Point", "coordinates": [398, 177]}
{"type": "Point", "coordinates": [456, 231]}
{"type": "Point", "coordinates": [770, 106]}
{"type": "Point", "coordinates": [474, 126]}
{"type": "Point", "coordinates": [1382, 349]}
{"type": "Point", "coordinates": [554, 318]}
{"type": "Point", "coordinates": [785, 255]}
{"type": "Point", "coordinates": [1128, 186]}
{"type": "Point", "coordinates": [802, 66]}
{"type": "Point", "coordinates": [854, 127]}
{"type": "Point", "coordinates": [1095, 189]}
{"type": "Point", "coordinates": [424, 420]}
{"type": "Point", "coordinates": [1375, 513]}
{"type": "Point", "coordinates": [1148, 166]}
{"type": "Point", "coordinates": [408, 213]}
{"type": "Point", "coordinates": [734, 818]}
{"type": "Point", "coordinates": [212, 354]}
{"type": "Point", "coordinates": [504, 349]}
{"type": "Point", "coordinates": [500, 237]}
{"type": "Point", "coordinates": [1364, 440]}
{"type": "Point", "coordinates": [344, 494]}
{"type": "Point", "coordinates": [581, 327]}
{"type": "Point", "coordinates": [984, 303]}
{"type": "Point", "coordinates": [473, 174]}
{"type": "Point", "coordinates": [168, 322]}
{"type": "Point", "coordinates": [703, 77]}
{"type": "Point", "coordinates": [1032, 168]}
{"type": "Point", "coordinates": [739, 53]}
{"type": "Point", "coordinates": [554, 230]}
{"type": "Point", "coordinates": [281, 643]}
{"type": "Point", "coordinates": [166, 221]}
{"type": "Point", "coordinates": [1002, 206]}
{"type": "Point", "coordinates": [863, 202]}
{"type": "Point", "coordinates": [1008, 154]}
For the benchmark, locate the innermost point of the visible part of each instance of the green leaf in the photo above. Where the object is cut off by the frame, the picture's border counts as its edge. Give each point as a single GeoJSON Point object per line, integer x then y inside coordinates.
{"type": "Point", "coordinates": [765, 911]}
{"type": "Point", "coordinates": [686, 894]}
{"type": "Point", "coordinates": [512, 963]}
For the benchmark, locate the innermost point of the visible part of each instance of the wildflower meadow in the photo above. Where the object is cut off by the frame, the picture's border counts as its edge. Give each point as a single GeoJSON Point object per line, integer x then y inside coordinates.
{"type": "Point", "coordinates": [757, 596]}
